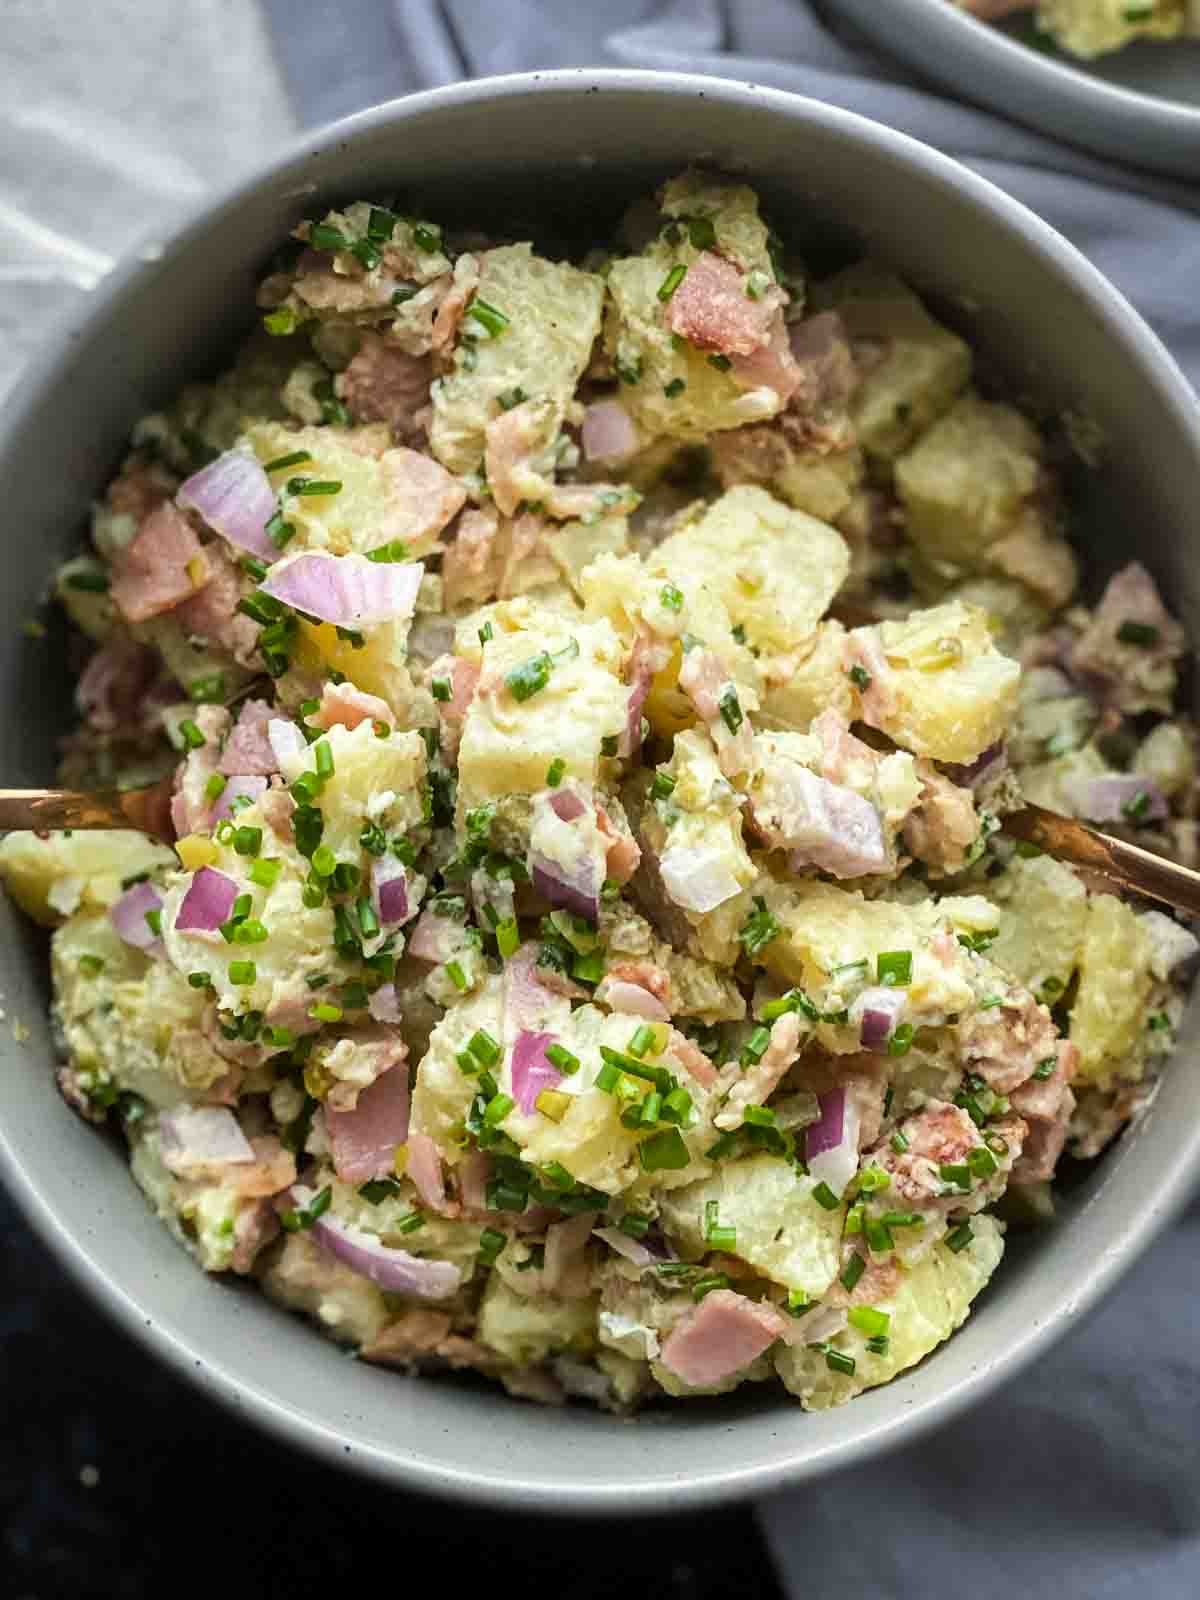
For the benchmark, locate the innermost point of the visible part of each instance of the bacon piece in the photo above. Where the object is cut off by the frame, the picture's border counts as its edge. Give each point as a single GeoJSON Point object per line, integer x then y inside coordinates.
{"type": "Point", "coordinates": [248, 750]}
{"type": "Point", "coordinates": [944, 826]}
{"type": "Point", "coordinates": [712, 310]}
{"type": "Point", "coordinates": [772, 367]}
{"type": "Point", "coordinates": [151, 575]}
{"type": "Point", "coordinates": [364, 1140]}
{"type": "Point", "coordinates": [211, 612]}
{"type": "Point", "coordinates": [1006, 1042]}
{"type": "Point", "coordinates": [256, 1225]}
{"type": "Point", "coordinates": [422, 497]}
{"type": "Point", "coordinates": [725, 1333]}
{"type": "Point", "coordinates": [112, 686]}
{"type": "Point", "coordinates": [384, 383]}
{"type": "Point", "coordinates": [469, 567]}
{"type": "Point", "coordinates": [752, 1087]}
{"type": "Point", "coordinates": [342, 705]}
{"type": "Point", "coordinates": [692, 1059]}
{"type": "Point", "coordinates": [425, 1169]}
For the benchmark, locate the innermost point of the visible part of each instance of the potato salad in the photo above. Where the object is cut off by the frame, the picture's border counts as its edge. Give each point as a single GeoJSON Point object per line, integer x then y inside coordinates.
{"type": "Point", "coordinates": [1089, 28]}
{"type": "Point", "coordinates": [586, 695]}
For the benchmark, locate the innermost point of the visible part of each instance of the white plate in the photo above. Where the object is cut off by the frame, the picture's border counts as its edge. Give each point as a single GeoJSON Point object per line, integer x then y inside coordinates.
{"type": "Point", "coordinates": [1139, 106]}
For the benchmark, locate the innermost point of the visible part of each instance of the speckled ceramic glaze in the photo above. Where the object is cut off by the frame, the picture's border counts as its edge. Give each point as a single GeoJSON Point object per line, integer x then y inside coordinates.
{"type": "Point", "coordinates": [1139, 106]}
{"type": "Point", "coordinates": [570, 146]}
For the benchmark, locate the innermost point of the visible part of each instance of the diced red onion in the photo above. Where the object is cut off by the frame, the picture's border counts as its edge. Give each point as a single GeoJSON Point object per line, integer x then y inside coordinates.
{"type": "Point", "coordinates": [620, 995]}
{"type": "Point", "coordinates": [627, 1247]}
{"type": "Point", "coordinates": [831, 1143]}
{"type": "Point", "coordinates": [389, 884]}
{"type": "Point", "coordinates": [384, 1004]}
{"type": "Point", "coordinates": [128, 917]}
{"type": "Point", "coordinates": [531, 1072]}
{"type": "Point", "coordinates": [287, 742]}
{"type": "Point", "coordinates": [1109, 799]}
{"type": "Point", "coordinates": [579, 896]}
{"type": "Point", "coordinates": [233, 790]}
{"type": "Point", "coordinates": [395, 1271]}
{"type": "Point", "coordinates": [526, 997]}
{"type": "Point", "coordinates": [349, 591]}
{"type": "Point", "coordinates": [877, 1011]}
{"type": "Point", "coordinates": [567, 804]}
{"type": "Point", "coordinates": [608, 433]}
{"type": "Point", "coordinates": [631, 737]}
{"type": "Point", "coordinates": [697, 880]}
{"type": "Point", "coordinates": [234, 496]}
{"type": "Point", "coordinates": [200, 1136]}
{"type": "Point", "coordinates": [978, 771]}
{"type": "Point", "coordinates": [207, 903]}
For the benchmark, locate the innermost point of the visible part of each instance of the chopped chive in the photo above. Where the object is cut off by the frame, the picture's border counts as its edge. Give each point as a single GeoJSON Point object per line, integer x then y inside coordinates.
{"type": "Point", "coordinates": [249, 931]}
{"type": "Point", "coordinates": [324, 862]}
{"type": "Point", "coordinates": [854, 1218]}
{"type": "Point", "coordinates": [325, 1011]}
{"type": "Point", "coordinates": [491, 1242]}
{"type": "Point", "coordinates": [91, 966]}
{"type": "Point", "coordinates": [877, 1234]}
{"type": "Point", "coordinates": [675, 388]}
{"type": "Point", "coordinates": [296, 459]}
{"type": "Point", "coordinates": [894, 968]}
{"type": "Point", "coordinates": [719, 1236]}
{"type": "Point", "coordinates": [559, 1056]}
{"type": "Point", "coordinates": [498, 1107]}
{"type": "Point", "coordinates": [367, 919]}
{"type": "Point", "coordinates": [759, 929]}
{"type": "Point", "coordinates": [199, 980]}
{"type": "Point", "coordinates": [1137, 806]}
{"type": "Point", "coordinates": [960, 1238]}
{"type": "Point", "coordinates": [394, 550]}
{"type": "Point", "coordinates": [853, 1271]}
{"type": "Point", "coordinates": [672, 281]}
{"type": "Point", "coordinates": [193, 739]}
{"type": "Point", "coordinates": [589, 968]}
{"type": "Point", "coordinates": [243, 972]}
{"type": "Point", "coordinates": [755, 1046]}
{"type": "Point", "coordinates": [759, 1116]}
{"type": "Point", "coordinates": [824, 1196]}
{"type": "Point", "coordinates": [207, 691]}
{"type": "Point", "coordinates": [154, 922]}
{"type": "Point", "coordinates": [323, 236]}
{"type": "Point", "coordinates": [1157, 1023]}
{"type": "Point", "coordinates": [671, 597]}
{"type": "Point", "coordinates": [280, 321]}
{"type": "Point", "coordinates": [860, 678]}
{"type": "Point", "coordinates": [899, 1143]}
{"type": "Point", "coordinates": [663, 786]}
{"type": "Point", "coordinates": [902, 1219]}
{"type": "Point", "coordinates": [1139, 633]}
{"type": "Point", "coordinates": [677, 1107]}
{"type": "Point", "coordinates": [296, 1220]}
{"type": "Point", "coordinates": [869, 1320]}
{"type": "Point", "coordinates": [901, 1040]}
{"type": "Point", "coordinates": [531, 676]}
{"type": "Point", "coordinates": [484, 1048]}
{"type": "Point", "coordinates": [427, 236]}
{"type": "Point", "coordinates": [279, 530]}
{"type": "Point", "coordinates": [1044, 1069]}
{"type": "Point", "coordinates": [956, 1175]}
{"type": "Point", "coordinates": [313, 486]}
{"type": "Point", "coordinates": [730, 707]}
{"type": "Point", "coordinates": [457, 976]}
{"type": "Point", "coordinates": [721, 363]}
{"type": "Point", "coordinates": [247, 841]}
{"type": "Point", "coordinates": [508, 937]}
{"type": "Point", "coordinates": [663, 1151]}
{"type": "Point", "coordinates": [644, 1039]}
{"type": "Point", "coordinates": [981, 1162]}
{"type": "Point", "coordinates": [323, 756]}
{"type": "Point", "coordinates": [441, 690]}
{"type": "Point", "coordinates": [490, 318]}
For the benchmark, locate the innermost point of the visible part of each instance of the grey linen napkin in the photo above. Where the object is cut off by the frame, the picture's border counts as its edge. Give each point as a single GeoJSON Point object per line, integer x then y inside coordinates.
{"type": "Point", "coordinates": [1079, 1479]}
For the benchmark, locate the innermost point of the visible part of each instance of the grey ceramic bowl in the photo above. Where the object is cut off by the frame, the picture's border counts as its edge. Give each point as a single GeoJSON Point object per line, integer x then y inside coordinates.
{"type": "Point", "coordinates": [1139, 106]}
{"type": "Point", "coordinates": [569, 145]}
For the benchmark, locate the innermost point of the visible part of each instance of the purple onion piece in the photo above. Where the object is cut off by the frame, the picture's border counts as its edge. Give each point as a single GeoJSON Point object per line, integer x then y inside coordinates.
{"type": "Point", "coordinates": [207, 903]}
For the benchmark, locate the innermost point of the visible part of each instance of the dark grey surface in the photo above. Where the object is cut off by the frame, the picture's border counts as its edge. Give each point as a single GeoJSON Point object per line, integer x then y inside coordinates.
{"type": "Point", "coordinates": [563, 145]}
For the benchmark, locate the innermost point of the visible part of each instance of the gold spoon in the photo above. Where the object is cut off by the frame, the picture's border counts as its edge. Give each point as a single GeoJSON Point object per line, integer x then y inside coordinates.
{"type": "Point", "coordinates": [1126, 866]}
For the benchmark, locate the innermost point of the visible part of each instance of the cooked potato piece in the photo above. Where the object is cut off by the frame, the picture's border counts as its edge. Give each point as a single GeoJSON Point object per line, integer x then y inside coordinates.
{"type": "Point", "coordinates": [525, 1329]}
{"type": "Point", "coordinates": [51, 878]}
{"type": "Point", "coordinates": [915, 367]}
{"type": "Point", "coordinates": [553, 318]}
{"type": "Point", "coordinates": [1043, 914]}
{"type": "Point", "coordinates": [1108, 1018]}
{"type": "Point", "coordinates": [781, 1230]}
{"type": "Point", "coordinates": [775, 568]}
{"type": "Point", "coordinates": [932, 1300]}
{"type": "Point", "coordinates": [947, 692]}
{"type": "Point", "coordinates": [1094, 27]}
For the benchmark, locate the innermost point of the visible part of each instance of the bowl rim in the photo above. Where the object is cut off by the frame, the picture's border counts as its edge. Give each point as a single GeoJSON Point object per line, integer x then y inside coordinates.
{"type": "Point", "coordinates": [1050, 93]}
{"type": "Point", "coordinates": [550, 1493]}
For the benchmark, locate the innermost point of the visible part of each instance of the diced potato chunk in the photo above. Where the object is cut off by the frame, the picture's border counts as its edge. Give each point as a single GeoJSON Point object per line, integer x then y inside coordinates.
{"type": "Point", "coordinates": [385, 494]}
{"type": "Point", "coordinates": [775, 568]}
{"type": "Point", "coordinates": [781, 1230]}
{"type": "Point", "coordinates": [932, 1300]}
{"type": "Point", "coordinates": [921, 365]}
{"type": "Point", "coordinates": [553, 312]}
{"type": "Point", "coordinates": [964, 482]}
{"type": "Point", "coordinates": [1043, 913]}
{"type": "Point", "coordinates": [948, 692]}
{"type": "Point", "coordinates": [525, 1329]}
{"type": "Point", "coordinates": [52, 878]}
{"type": "Point", "coordinates": [508, 743]}
{"type": "Point", "coordinates": [1108, 1019]}
{"type": "Point", "coordinates": [680, 392]}
{"type": "Point", "coordinates": [816, 682]}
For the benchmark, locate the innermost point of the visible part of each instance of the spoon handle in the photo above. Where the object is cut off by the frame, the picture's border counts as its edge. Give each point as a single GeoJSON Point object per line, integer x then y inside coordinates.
{"type": "Point", "coordinates": [49, 810]}
{"type": "Point", "coordinates": [1128, 866]}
